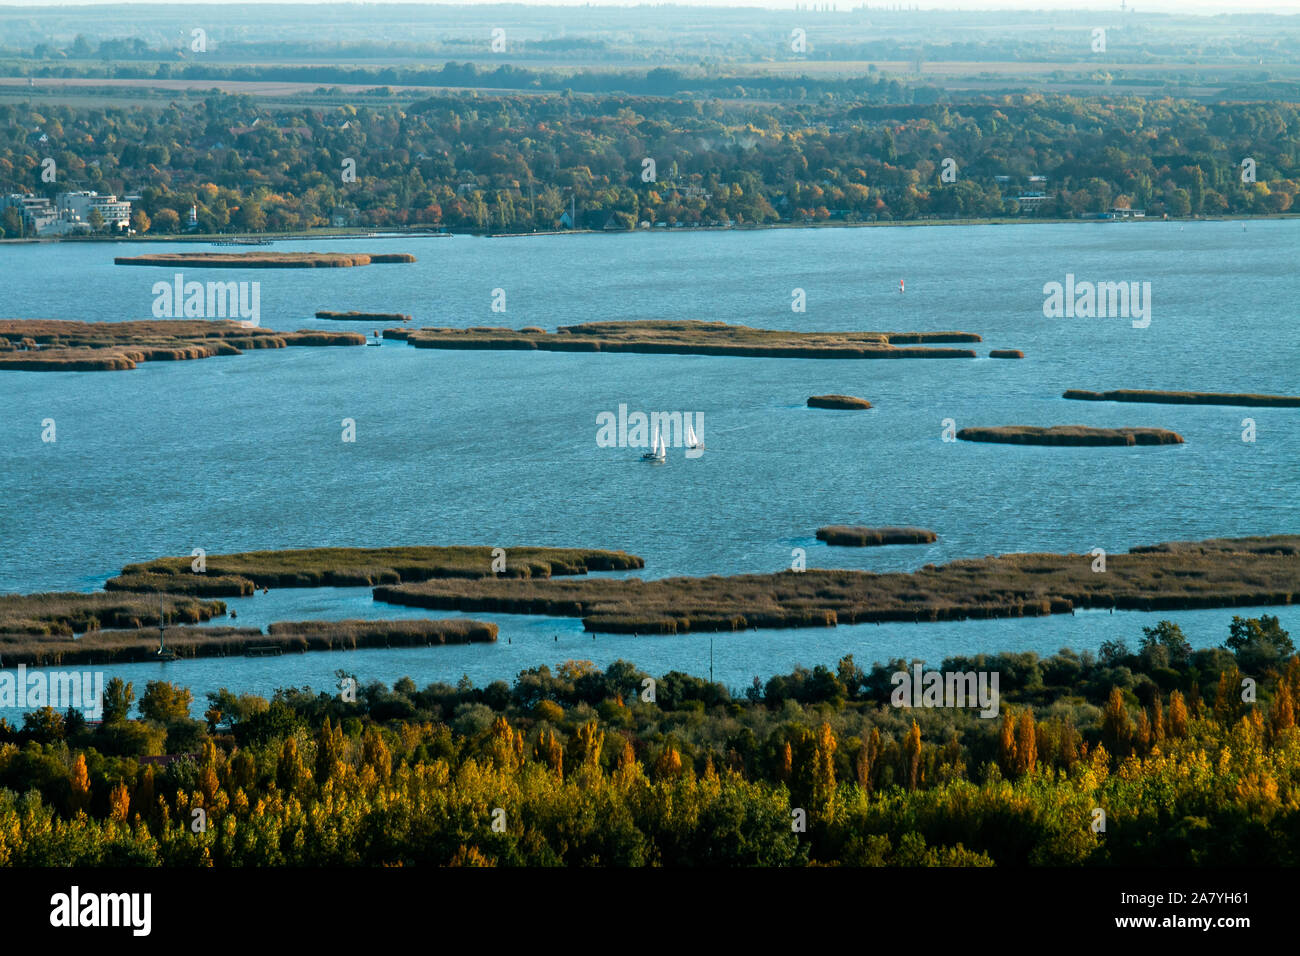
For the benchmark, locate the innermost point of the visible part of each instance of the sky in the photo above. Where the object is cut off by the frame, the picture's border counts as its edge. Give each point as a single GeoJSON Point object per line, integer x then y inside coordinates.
{"type": "Point", "coordinates": [1204, 7]}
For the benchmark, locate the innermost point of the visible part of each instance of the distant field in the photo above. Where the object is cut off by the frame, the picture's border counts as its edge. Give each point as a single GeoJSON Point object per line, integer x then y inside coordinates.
{"type": "Point", "coordinates": [1007, 67]}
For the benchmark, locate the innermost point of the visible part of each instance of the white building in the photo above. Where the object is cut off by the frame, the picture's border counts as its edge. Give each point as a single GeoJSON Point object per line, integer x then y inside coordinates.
{"type": "Point", "coordinates": [37, 212]}
{"type": "Point", "coordinates": [69, 213]}
{"type": "Point", "coordinates": [75, 210]}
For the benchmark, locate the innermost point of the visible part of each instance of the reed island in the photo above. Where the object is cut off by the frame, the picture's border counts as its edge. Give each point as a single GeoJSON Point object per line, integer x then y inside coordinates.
{"type": "Point", "coordinates": [857, 536]}
{"type": "Point", "coordinates": [264, 260]}
{"type": "Point", "coordinates": [236, 575]}
{"type": "Point", "coordinates": [363, 316]}
{"type": "Point", "coordinates": [282, 637]}
{"type": "Point", "coordinates": [1228, 572]}
{"type": "Point", "coordinates": [1070, 435]}
{"type": "Point", "coordinates": [843, 402]}
{"type": "Point", "coordinates": [1184, 398]}
{"type": "Point", "coordinates": [696, 338]}
{"type": "Point", "coordinates": [57, 345]}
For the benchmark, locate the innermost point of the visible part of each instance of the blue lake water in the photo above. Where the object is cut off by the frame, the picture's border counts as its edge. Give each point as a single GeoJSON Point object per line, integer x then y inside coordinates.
{"type": "Point", "coordinates": [499, 448]}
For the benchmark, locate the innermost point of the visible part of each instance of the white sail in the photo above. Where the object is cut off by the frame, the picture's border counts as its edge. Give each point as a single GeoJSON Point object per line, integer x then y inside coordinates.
{"type": "Point", "coordinates": [691, 440]}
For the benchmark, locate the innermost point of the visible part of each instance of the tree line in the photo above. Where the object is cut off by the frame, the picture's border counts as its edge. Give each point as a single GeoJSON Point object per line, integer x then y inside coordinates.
{"type": "Point", "coordinates": [1157, 755]}
{"type": "Point", "coordinates": [521, 163]}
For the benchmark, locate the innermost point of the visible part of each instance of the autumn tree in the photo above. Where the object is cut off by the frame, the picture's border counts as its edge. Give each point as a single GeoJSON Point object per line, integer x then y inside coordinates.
{"type": "Point", "coordinates": [912, 756]}
{"type": "Point", "coordinates": [1176, 721]}
{"type": "Point", "coordinates": [823, 765]}
{"type": "Point", "coordinates": [1026, 743]}
{"type": "Point", "coordinates": [79, 784]}
{"type": "Point", "coordinates": [1116, 725]}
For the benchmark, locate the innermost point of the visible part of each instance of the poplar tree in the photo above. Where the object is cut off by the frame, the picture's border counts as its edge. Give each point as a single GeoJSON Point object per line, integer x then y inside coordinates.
{"type": "Point", "coordinates": [1176, 721]}
{"type": "Point", "coordinates": [79, 778]}
{"type": "Point", "coordinates": [1026, 743]}
{"type": "Point", "coordinates": [1116, 725]}
{"type": "Point", "coordinates": [912, 756]}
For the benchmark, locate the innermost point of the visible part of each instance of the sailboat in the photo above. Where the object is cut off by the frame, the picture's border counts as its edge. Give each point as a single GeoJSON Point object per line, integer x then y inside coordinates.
{"type": "Point", "coordinates": [658, 450]}
{"type": "Point", "coordinates": [691, 441]}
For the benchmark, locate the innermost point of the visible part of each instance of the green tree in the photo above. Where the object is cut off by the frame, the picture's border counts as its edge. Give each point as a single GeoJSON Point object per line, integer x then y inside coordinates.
{"type": "Point", "coordinates": [118, 697]}
{"type": "Point", "coordinates": [1168, 637]}
{"type": "Point", "coordinates": [164, 702]}
{"type": "Point", "coordinates": [1259, 643]}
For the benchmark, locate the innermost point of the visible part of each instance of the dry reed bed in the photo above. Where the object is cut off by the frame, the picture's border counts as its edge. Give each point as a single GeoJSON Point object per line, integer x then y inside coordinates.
{"type": "Point", "coordinates": [1006, 354]}
{"type": "Point", "coordinates": [363, 316]}
{"type": "Point", "coordinates": [837, 401]}
{"type": "Point", "coordinates": [1070, 435]}
{"type": "Point", "coordinates": [857, 536]}
{"type": "Point", "coordinates": [263, 260]}
{"type": "Point", "coordinates": [106, 647]}
{"type": "Point", "coordinates": [1183, 398]}
{"type": "Point", "coordinates": [1177, 576]}
{"type": "Point", "coordinates": [65, 613]}
{"type": "Point", "coordinates": [239, 574]}
{"type": "Point", "coordinates": [695, 338]}
{"type": "Point", "coordinates": [53, 345]}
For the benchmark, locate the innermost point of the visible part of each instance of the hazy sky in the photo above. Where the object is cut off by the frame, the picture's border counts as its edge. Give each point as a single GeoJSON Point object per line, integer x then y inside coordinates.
{"type": "Point", "coordinates": [1209, 7]}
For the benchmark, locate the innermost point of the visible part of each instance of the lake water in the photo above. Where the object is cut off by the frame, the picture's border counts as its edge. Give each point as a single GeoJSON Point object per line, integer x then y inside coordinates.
{"type": "Point", "coordinates": [499, 448]}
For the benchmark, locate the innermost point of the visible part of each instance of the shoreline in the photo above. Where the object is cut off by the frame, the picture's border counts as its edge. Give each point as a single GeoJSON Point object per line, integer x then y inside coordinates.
{"type": "Point", "coordinates": [747, 227]}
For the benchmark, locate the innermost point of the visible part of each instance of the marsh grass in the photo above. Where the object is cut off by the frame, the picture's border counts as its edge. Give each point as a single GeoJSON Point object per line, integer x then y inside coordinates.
{"type": "Point", "coordinates": [53, 345]}
{"type": "Point", "coordinates": [857, 536]}
{"type": "Point", "coordinates": [120, 646]}
{"type": "Point", "coordinates": [318, 338]}
{"type": "Point", "coordinates": [1183, 398]}
{"type": "Point", "coordinates": [1070, 435]}
{"type": "Point", "coordinates": [263, 260]}
{"type": "Point", "coordinates": [364, 316]}
{"type": "Point", "coordinates": [235, 574]}
{"type": "Point", "coordinates": [1221, 573]}
{"type": "Point", "coordinates": [697, 338]}
{"type": "Point", "coordinates": [66, 613]}
{"type": "Point", "coordinates": [837, 401]}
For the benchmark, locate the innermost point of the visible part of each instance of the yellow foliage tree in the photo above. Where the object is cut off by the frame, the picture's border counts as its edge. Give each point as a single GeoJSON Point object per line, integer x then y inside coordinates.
{"type": "Point", "coordinates": [1007, 744]}
{"type": "Point", "coordinates": [1117, 725]}
{"type": "Point", "coordinates": [1177, 720]}
{"type": "Point", "coordinates": [669, 763]}
{"type": "Point", "coordinates": [823, 768]}
{"type": "Point", "coordinates": [79, 778]}
{"type": "Point", "coordinates": [1026, 743]}
{"type": "Point", "coordinates": [119, 802]}
{"type": "Point", "coordinates": [375, 754]}
{"type": "Point", "coordinates": [589, 740]}
{"type": "Point", "coordinates": [1282, 713]}
{"type": "Point", "coordinates": [548, 751]}
{"type": "Point", "coordinates": [912, 756]}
